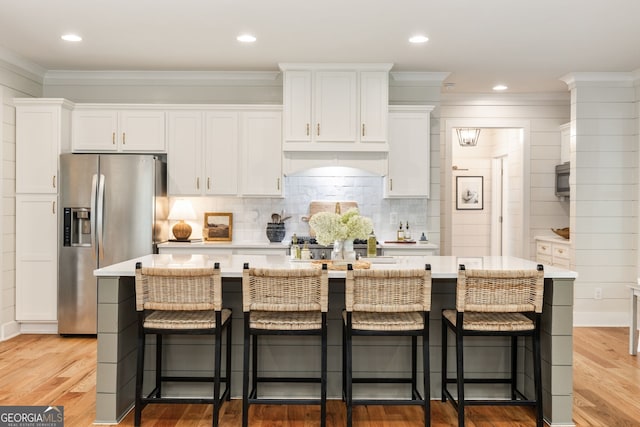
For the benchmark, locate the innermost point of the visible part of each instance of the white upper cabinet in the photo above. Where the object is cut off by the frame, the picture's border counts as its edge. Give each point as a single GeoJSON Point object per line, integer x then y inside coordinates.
{"type": "Point", "coordinates": [43, 129]}
{"type": "Point", "coordinates": [221, 153]}
{"type": "Point", "coordinates": [335, 107]}
{"type": "Point", "coordinates": [297, 106]}
{"type": "Point", "coordinates": [261, 142]}
{"type": "Point", "coordinates": [103, 130]}
{"type": "Point", "coordinates": [374, 96]}
{"type": "Point", "coordinates": [409, 151]}
{"type": "Point", "coordinates": [225, 150]}
{"type": "Point", "coordinates": [203, 153]}
{"type": "Point", "coordinates": [184, 158]}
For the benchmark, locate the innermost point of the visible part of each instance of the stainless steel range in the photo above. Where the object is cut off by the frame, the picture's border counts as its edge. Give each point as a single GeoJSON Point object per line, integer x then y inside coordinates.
{"type": "Point", "coordinates": [319, 251]}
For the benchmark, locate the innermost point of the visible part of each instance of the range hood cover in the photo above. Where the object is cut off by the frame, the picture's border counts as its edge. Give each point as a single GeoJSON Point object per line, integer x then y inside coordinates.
{"type": "Point", "coordinates": [319, 163]}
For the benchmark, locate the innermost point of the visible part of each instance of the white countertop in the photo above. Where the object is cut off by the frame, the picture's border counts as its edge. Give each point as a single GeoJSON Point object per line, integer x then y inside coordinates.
{"type": "Point", "coordinates": [442, 267]}
{"type": "Point", "coordinates": [278, 245]}
{"type": "Point", "coordinates": [554, 238]}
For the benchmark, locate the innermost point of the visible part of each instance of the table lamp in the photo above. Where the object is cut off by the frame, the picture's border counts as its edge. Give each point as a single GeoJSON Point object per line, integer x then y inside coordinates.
{"type": "Point", "coordinates": [180, 211]}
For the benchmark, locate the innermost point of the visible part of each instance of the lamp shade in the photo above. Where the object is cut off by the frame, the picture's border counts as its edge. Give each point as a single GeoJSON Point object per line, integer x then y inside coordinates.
{"type": "Point", "coordinates": [468, 137]}
{"type": "Point", "coordinates": [182, 210]}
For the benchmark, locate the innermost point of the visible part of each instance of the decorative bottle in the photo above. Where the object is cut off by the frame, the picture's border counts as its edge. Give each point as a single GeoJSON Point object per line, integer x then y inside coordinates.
{"type": "Point", "coordinates": [295, 249]}
{"type": "Point", "coordinates": [407, 233]}
{"type": "Point", "coordinates": [305, 253]}
{"type": "Point", "coordinates": [372, 245]}
{"type": "Point", "coordinates": [400, 235]}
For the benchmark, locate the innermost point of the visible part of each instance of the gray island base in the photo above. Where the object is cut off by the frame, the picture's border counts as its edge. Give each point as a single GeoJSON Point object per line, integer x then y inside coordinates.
{"type": "Point", "coordinates": [115, 383]}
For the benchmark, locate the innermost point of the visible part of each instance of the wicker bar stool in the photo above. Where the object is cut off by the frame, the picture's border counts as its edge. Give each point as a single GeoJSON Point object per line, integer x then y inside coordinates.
{"type": "Point", "coordinates": [283, 302]}
{"type": "Point", "coordinates": [387, 303]}
{"type": "Point", "coordinates": [495, 303]}
{"type": "Point", "coordinates": [185, 301]}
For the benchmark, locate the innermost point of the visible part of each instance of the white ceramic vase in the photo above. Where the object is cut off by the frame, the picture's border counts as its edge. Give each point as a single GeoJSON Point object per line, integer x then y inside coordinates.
{"type": "Point", "coordinates": [343, 251]}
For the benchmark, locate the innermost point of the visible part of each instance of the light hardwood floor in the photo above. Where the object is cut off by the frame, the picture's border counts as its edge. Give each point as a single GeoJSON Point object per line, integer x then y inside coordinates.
{"type": "Point", "coordinates": [49, 370]}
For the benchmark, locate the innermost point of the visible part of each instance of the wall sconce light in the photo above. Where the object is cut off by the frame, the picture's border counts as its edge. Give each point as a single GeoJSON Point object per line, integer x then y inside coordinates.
{"type": "Point", "coordinates": [180, 211]}
{"type": "Point", "coordinates": [468, 137]}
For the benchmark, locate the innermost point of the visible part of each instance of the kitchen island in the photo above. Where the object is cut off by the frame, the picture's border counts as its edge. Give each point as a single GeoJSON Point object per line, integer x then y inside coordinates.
{"type": "Point", "coordinates": [115, 382]}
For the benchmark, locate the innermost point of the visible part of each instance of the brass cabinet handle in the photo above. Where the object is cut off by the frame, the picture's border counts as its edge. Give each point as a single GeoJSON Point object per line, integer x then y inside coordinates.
{"type": "Point", "coordinates": [308, 129]}
{"type": "Point", "coordinates": [208, 183]}
{"type": "Point", "coordinates": [363, 129]}
{"type": "Point", "coordinates": [560, 251]}
{"type": "Point", "coordinates": [278, 183]}
{"type": "Point", "coordinates": [544, 248]}
{"type": "Point", "coordinates": [54, 181]}
{"type": "Point", "coordinates": [197, 183]}
{"type": "Point", "coordinates": [124, 141]}
{"type": "Point", "coordinates": [318, 130]}
{"type": "Point", "coordinates": [391, 184]}
{"type": "Point", "coordinates": [113, 138]}
{"type": "Point", "coordinates": [53, 207]}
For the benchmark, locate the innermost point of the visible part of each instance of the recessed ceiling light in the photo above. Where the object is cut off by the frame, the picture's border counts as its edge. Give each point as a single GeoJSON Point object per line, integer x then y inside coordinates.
{"type": "Point", "coordinates": [71, 38]}
{"type": "Point", "coordinates": [246, 38]}
{"type": "Point", "coordinates": [418, 39]}
{"type": "Point", "coordinates": [500, 87]}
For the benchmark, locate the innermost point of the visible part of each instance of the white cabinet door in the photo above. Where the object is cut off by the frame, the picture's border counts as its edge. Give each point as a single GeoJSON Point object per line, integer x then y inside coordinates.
{"type": "Point", "coordinates": [335, 106]}
{"type": "Point", "coordinates": [261, 160]}
{"type": "Point", "coordinates": [42, 133]}
{"type": "Point", "coordinates": [95, 130]}
{"type": "Point", "coordinates": [184, 159]}
{"type": "Point", "coordinates": [374, 99]}
{"type": "Point", "coordinates": [110, 130]}
{"type": "Point", "coordinates": [297, 106]}
{"type": "Point", "coordinates": [221, 153]}
{"type": "Point", "coordinates": [36, 258]}
{"type": "Point", "coordinates": [409, 151]}
{"type": "Point", "coordinates": [142, 131]}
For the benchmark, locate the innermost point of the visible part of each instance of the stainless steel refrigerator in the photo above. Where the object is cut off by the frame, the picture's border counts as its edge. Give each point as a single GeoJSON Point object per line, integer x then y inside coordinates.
{"type": "Point", "coordinates": [113, 207]}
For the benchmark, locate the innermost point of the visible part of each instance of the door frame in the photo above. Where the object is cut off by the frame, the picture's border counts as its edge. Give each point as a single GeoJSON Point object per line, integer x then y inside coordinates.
{"type": "Point", "coordinates": [446, 186]}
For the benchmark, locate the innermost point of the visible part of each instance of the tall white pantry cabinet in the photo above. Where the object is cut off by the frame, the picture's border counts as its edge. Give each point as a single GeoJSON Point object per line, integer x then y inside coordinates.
{"type": "Point", "coordinates": [43, 131]}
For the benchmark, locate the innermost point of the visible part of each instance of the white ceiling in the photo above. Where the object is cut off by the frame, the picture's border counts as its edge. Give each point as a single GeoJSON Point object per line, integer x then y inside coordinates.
{"type": "Point", "coordinates": [525, 44]}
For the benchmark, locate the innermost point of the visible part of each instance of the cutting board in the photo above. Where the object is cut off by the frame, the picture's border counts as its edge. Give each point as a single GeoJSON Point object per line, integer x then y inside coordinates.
{"type": "Point", "coordinates": [316, 206]}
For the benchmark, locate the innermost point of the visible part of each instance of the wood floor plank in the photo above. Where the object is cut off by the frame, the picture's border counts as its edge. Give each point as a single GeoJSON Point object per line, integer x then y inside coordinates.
{"type": "Point", "coordinates": [50, 370]}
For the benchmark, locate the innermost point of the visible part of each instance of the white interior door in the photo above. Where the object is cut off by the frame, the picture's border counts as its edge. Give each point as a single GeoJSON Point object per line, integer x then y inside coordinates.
{"type": "Point", "coordinates": [497, 212]}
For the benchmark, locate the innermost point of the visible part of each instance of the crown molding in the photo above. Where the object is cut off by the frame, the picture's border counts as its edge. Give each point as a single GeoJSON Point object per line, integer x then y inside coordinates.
{"type": "Point", "coordinates": [21, 66]}
{"type": "Point", "coordinates": [419, 76]}
{"type": "Point", "coordinates": [495, 99]}
{"type": "Point", "coordinates": [597, 78]}
{"type": "Point", "coordinates": [149, 78]}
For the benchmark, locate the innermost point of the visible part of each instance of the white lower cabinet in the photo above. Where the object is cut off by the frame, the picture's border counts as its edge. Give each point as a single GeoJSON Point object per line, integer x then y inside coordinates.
{"type": "Point", "coordinates": [36, 258]}
{"type": "Point", "coordinates": [552, 251]}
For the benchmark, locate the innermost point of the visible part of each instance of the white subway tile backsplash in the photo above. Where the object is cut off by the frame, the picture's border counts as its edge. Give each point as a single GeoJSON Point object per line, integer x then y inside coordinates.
{"type": "Point", "coordinates": [250, 215]}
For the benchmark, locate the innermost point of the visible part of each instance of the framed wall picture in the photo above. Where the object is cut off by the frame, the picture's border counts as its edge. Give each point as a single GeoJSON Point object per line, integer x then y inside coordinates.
{"type": "Point", "coordinates": [218, 226]}
{"type": "Point", "coordinates": [469, 193]}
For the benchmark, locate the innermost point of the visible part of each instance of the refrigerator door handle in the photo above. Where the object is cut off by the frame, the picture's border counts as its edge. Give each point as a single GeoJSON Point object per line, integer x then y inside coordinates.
{"type": "Point", "coordinates": [92, 218]}
{"type": "Point", "coordinates": [100, 216]}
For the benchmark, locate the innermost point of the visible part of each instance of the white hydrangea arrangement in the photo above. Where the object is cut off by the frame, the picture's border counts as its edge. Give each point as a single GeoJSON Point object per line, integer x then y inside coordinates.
{"type": "Point", "coordinates": [330, 227]}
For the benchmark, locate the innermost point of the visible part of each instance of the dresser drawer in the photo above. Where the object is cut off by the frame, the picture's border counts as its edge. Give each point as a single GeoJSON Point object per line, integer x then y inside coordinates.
{"type": "Point", "coordinates": [544, 259]}
{"type": "Point", "coordinates": [543, 248]}
{"type": "Point", "coordinates": [562, 263]}
{"type": "Point", "coordinates": [560, 251]}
